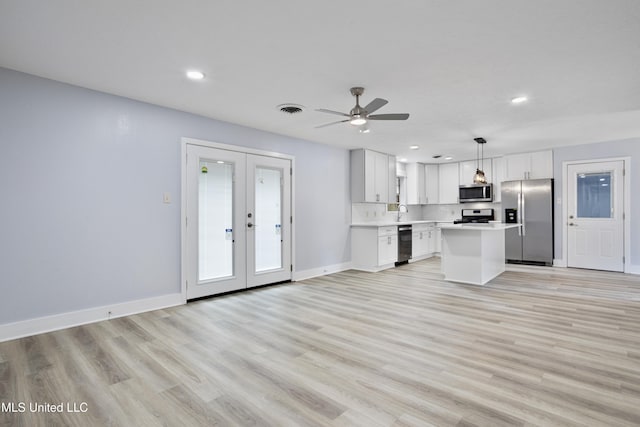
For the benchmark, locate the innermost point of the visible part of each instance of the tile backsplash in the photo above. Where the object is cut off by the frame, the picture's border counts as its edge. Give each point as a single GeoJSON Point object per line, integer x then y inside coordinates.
{"type": "Point", "coordinates": [374, 212]}
{"type": "Point", "coordinates": [451, 212]}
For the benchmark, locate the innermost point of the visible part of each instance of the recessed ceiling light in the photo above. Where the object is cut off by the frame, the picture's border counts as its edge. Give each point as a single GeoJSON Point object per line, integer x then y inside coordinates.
{"type": "Point", "coordinates": [414, 147]}
{"type": "Point", "coordinates": [220, 162]}
{"type": "Point", "coordinates": [402, 159]}
{"type": "Point", "coordinates": [605, 185]}
{"type": "Point", "coordinates": [601, 179]}
{"type": "Point", "coordinates": [519, 100]}
{"type": "Point", "coordinates": [448, 158]}
{"type": "Point", "coordinates": [195, 75]}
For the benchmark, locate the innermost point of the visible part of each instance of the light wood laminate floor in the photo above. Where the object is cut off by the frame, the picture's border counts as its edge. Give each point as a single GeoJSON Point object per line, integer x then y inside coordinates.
{"type": "Point", "coordinates": [535, 346]}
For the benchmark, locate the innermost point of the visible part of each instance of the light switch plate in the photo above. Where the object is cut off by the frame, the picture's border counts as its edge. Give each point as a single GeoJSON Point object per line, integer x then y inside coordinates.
{"type": "Point", "coordinates": [166, 197]}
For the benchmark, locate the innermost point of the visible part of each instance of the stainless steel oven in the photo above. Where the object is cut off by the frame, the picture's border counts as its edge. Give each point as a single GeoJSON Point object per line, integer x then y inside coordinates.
{"type": "Point", "coordinates": [404, 243]}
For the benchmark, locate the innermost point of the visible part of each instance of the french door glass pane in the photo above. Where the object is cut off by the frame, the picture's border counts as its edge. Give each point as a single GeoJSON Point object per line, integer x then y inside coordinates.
{"type": "Point", "coordinates": [594, 195]}
{"type": "Point", "coordinates": [268, 219]}
{"type": "Point", "coordinates": [215, 213]}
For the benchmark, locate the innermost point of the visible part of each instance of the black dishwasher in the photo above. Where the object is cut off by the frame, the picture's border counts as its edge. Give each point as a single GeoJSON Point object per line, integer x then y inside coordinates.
{"type": "Point", "coordinates": [404, 243]}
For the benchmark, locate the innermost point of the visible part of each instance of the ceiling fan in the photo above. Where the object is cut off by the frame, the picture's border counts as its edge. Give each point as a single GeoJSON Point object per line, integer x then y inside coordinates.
{"type": "Point", "coordinates": [359, 116]}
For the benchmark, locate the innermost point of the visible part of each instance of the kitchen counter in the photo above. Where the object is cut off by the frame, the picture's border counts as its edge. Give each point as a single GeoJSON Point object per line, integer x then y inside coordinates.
{"type": "Point", "coordinates": [473, 253]}
{"type": "Point", "coordinates": [390, 223]}
{"type": "Point", "coordinates": [470, 226]}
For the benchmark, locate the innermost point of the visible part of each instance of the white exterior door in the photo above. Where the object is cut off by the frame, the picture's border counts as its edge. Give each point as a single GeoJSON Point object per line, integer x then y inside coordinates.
{"type": "Point", "coordinates": [215, 247]}
{"type": "Point", "coordinates": [237, 224]}
{"type": "Point", "coordinates": [268, 220]}
{"type": "Point", "coordinates": [595, 226]}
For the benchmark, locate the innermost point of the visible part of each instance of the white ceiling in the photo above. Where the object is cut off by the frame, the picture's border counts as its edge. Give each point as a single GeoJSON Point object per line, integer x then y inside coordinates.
{"type": "Point", "coordinates": [454, 65]}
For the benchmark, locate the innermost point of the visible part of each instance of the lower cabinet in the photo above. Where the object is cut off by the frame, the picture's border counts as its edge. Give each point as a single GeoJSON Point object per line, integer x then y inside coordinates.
{"type": "Point", "coordinates": [422, 241]}
{"type": "Point", "coordinates": [438, 237]}
{"type": "Point", "coordinates": [374, 248]}
{"type": "Point", "coordinates": [387, 249]}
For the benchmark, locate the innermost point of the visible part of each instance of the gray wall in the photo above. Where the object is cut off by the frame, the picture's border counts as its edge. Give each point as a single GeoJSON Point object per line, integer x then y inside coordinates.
{"type": "Point", "coordinates": [602, 150]}
{"type": "Point", "coordinates": [82, 175]}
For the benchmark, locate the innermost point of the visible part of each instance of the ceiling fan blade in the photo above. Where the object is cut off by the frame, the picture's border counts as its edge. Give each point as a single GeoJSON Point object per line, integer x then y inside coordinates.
{"type": "Point", "coordinates": [332, 123]}
{"type": "Point", "coordinates": [375, 105]}
{"type": "Point", "coordinates": [397, 116]}
{"type": "Point", "coordinates": [322, 110]}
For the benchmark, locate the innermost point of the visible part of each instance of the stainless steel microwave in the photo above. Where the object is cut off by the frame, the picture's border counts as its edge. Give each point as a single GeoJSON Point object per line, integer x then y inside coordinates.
{"type": "Point", "coordinates": [476, 193]}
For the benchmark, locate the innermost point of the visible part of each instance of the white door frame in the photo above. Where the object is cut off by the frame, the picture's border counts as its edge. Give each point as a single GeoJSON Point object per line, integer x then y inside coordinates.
{"type": "Point", "coordinates": [626, 206]}
{"type": "Point", "coordinates": [183, 210]}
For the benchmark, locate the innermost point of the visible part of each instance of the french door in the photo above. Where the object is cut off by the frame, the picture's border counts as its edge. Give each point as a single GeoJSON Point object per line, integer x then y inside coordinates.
{"type": "Point", "coordinates": [595, 229]}
{"type": "Point", "coordinates": [238, 227]}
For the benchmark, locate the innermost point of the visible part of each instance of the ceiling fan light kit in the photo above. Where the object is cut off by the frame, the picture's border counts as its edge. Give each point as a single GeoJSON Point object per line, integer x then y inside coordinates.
{"type": "Point", "coordinates": [359, 116]}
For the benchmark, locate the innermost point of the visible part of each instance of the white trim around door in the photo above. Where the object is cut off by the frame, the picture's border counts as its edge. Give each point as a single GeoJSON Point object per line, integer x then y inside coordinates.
{"type": "Point", "coordinates": [628, 268]}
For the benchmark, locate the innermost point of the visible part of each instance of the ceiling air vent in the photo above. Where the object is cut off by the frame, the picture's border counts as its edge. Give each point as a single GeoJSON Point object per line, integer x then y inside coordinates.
{"type": "Point", "coordinates": [437, 156]}
{"type": "Point", "coordinates": [290, 108]}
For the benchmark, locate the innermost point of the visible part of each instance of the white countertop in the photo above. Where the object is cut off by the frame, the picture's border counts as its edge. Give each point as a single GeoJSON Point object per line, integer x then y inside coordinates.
{"type": "Point", "coordinates": [491, 226]}
{"type": "Point", "coordinates": [388, 223]}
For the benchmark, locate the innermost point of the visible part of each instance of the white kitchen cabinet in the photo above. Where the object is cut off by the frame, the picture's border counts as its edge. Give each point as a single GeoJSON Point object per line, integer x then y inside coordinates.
{"type": "Point", "coordinates": [437, 243]}
{"type": "Point", "coordinates": [416, 192]}
{"type": "Point", "coordinates": [448, 180]}
{"type": "Point", "coordinates": [392, 179]}
{"type": "Point", "coordinates": [374, 248]}
{"type": "Point", "coordinates": [534, 165]}
{"type": "Point", "coordinates": [541, 165]}
{"type": "Point", "coordinates": [498, 177]}
{"type": "Point", "coordinates": [387, 249]}
{"type": "Point", "coordinates": [431, 184]}
{"type": "Point", "coordinates": [373, 177]}
{"type": "Point", "coordinates": [422, 241]}
{"type": "Point", "coordinates": [468, 170]}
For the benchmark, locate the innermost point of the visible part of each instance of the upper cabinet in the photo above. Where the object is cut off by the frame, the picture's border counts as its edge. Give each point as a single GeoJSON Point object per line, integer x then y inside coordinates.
{"type": "Point", "coordinates": [416, 193]}
{"type": "Point", "coordinates": [498, 176]}
{"type": "Point", "coordinates": [468, 170]}
{"type": "Point", "coordinates": [528, 165]}
{"type": "Point", "coordinates": [448, 177]}
{"type": "Point", "coordinates": [392, 179]}
{"type": "Point", "coordinates": [373, 177]}
{"type": "Point", "coordinates": [432, 179]}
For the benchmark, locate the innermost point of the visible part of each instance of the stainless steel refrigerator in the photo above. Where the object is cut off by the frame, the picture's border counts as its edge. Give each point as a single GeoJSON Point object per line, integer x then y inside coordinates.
{"type": "Point", "coordinates": [530, 203]}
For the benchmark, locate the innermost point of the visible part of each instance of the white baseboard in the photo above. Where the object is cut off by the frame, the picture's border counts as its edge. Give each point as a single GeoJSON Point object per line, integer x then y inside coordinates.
{"type": "Point", "coordinates": [633, 269]}
{"type": "Point", "coordinates": [559, 263]}
{"type": "Point", "coordinates": [55, 322]}
{"type": "Point", "coordinates": [630, 269]}
{"type": "Point", "coordinates": [320, 271]}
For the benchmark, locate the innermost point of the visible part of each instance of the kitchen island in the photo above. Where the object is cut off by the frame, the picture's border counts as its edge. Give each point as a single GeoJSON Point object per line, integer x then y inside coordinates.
{"type": "Point", "coordinates": [473, 253]}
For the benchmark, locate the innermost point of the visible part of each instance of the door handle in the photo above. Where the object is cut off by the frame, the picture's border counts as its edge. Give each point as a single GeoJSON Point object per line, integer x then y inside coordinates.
{"type": "Point", "coordinates": [572, 224]}
{"type": "Point", "coordinates": [249, 224]}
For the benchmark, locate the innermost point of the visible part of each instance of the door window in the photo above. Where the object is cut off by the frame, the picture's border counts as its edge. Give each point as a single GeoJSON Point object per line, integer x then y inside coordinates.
{"type": "Point", "coordinates": [268, 220]}
{"type": "Point", "coordinates": [215, 220]}
{"type": "Point", "coordinates": [594, 195]}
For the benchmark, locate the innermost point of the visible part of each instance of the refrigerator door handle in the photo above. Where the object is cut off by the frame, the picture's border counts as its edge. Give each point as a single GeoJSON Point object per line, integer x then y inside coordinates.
{"type": "Point", "coordinates": [519, 218]}
{"type": "Point", "coordinates": [523, 218]}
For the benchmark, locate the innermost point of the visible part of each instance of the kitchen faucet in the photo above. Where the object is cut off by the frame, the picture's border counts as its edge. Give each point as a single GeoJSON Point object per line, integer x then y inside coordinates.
{"type": "Point", "coordinates": [406, 209]}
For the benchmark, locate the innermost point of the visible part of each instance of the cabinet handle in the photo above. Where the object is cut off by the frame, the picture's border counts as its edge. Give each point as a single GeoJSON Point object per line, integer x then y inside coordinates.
{"type": "Point", "coordinates": [388, 240]}
{"type": "Point", "coordinates": [377, 197]}
{"type": "Point", "coordinates": [421, 235]}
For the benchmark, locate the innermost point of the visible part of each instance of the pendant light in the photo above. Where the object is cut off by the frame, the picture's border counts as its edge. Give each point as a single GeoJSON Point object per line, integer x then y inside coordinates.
{"type": "Point", "coordinates": [479, 177]}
